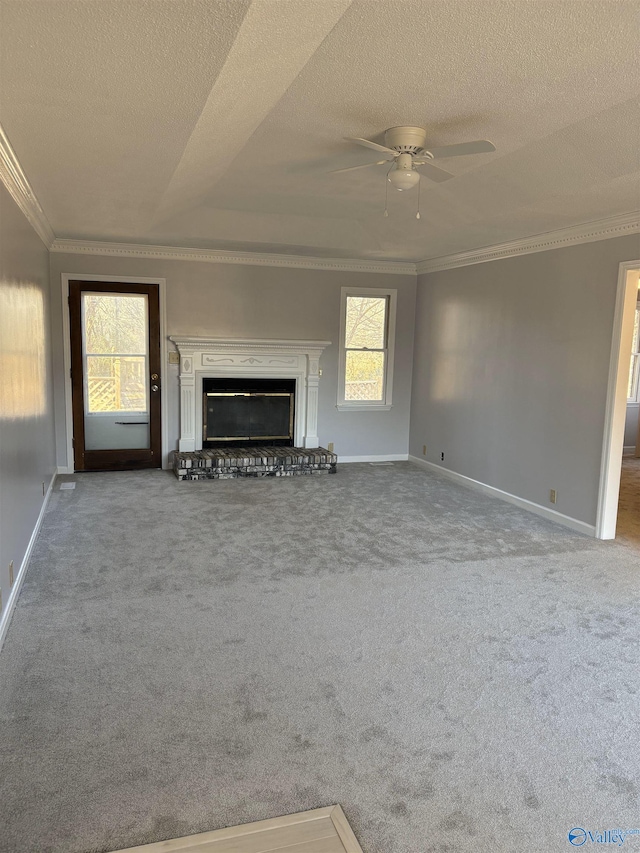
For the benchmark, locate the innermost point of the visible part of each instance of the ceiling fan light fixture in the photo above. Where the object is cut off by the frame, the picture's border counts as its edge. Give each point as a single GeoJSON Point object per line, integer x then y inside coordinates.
{"type": "Point", "coordinates": [403, 179]}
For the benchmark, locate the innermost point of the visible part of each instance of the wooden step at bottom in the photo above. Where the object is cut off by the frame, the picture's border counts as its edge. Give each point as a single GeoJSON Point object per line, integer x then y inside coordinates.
{"type": "Point", "coordinates": [318, 831]}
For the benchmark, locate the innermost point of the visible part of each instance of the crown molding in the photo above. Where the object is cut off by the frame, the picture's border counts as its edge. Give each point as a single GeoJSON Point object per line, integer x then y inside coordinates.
{"type": "Point", "coordinates": [221, 256]}
{"type": "Point", "coordinates": [588, 232]}
{"type": "Point", "coordinates": [18, 186]}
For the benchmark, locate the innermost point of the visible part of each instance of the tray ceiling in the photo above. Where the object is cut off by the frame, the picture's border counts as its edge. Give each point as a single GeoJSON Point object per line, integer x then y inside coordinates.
{"type": "Point", "coordinates": [215, 124]}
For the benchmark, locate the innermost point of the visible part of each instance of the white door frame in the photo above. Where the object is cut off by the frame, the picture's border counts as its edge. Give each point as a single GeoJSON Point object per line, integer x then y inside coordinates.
{"type": "Point", "coordinates": [66, 338]}
{"type": "Point", "coordinates": [616, 409]}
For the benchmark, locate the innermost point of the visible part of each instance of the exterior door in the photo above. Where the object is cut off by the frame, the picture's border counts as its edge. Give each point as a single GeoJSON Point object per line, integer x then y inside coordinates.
{"type": "Point", "coordinates": [115, 375]}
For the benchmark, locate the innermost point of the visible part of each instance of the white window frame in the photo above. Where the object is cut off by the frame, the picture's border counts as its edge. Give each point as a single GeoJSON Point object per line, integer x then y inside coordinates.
{"type": "Point", "coordinates": [385, 404]}
{"type": "Point", "coordinates": [635, 395]}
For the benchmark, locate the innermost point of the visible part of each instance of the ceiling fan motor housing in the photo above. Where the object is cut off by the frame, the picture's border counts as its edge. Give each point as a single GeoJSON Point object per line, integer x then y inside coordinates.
{"type": "Point", "coordinates": [404, 161]}
{"type": "Point", "coordinates": [405, 139]}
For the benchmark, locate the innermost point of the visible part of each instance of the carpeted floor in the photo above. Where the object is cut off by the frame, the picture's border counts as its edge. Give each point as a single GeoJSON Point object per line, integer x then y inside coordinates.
{"type": "Point", "coordinates": [460, 675]}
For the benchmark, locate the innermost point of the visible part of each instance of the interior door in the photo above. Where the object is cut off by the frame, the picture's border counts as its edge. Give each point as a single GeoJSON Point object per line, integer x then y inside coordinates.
{"type": "Point", "coordinates": [115, 375]}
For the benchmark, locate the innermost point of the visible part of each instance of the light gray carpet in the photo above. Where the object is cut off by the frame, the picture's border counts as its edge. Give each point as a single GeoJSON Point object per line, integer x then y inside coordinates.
{"type": "Point", "coordinates": [460, 675]}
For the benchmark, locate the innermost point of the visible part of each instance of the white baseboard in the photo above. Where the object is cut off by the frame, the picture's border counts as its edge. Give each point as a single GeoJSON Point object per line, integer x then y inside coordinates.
{"type": "Point", "coordinates": [17, 583]}
{"type": "Point", "coordinates": [385, 457]}
{"type": "Point", "coordinates": [65, 469]}
{"type": "Point", "coordinates": [545, 512]}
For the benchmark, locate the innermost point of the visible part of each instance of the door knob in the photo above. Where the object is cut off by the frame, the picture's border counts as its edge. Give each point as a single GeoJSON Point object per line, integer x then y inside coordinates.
{"type": "Point", "coordinates": [154, 376]}
{"type": "Point", "coordinates": [154, 387]}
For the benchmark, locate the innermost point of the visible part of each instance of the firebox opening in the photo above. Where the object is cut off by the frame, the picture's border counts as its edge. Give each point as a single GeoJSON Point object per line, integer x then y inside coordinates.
{"type": "Point", "coordinates": [248, 412]}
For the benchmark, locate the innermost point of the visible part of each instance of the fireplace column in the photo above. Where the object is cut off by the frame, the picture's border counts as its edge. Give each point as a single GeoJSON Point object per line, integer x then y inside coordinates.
{"type": "Point", "coordinates": [187, 440]}
{"type": "Point", "coordinates": [313, 380]}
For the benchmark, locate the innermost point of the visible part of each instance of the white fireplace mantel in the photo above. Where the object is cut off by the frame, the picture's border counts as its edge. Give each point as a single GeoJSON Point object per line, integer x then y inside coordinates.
{"type": "Point", "coordinates": [211, 358]}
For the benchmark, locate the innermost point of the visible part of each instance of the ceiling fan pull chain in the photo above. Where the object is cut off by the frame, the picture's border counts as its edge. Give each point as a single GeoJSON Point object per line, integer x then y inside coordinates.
{"type": "Point", "coordinates": [386, 193]}
{"type": "Point", "coordinates": [418, 213]}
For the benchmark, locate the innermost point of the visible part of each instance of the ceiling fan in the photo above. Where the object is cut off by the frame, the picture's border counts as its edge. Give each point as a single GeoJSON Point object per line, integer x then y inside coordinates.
{"type": "Point", "coordinates": [405, 146]}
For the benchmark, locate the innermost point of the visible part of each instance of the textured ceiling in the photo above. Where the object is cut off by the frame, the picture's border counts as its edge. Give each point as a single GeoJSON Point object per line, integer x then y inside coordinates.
{"type": "Point", "coordinates": [216, 124]}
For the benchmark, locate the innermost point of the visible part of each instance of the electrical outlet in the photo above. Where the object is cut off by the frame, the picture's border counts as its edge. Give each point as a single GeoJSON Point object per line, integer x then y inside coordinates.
{"type": "Point", "coordinates": [330, 447]}
{"type": "Point", "coordinates": [424, 449]}
{"type": "Point", "coordinates": [174, 358]}
{"type": "Point", "coordinates": [553, 496]}
{"type": "Point", "coordinates": [442, 456]}
{"type": "Point", "coordinates": [11, 573]}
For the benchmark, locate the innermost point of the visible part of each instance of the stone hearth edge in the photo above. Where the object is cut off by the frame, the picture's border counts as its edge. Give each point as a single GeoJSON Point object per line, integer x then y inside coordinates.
{"type": "Point", "coordinates": [227, 463]}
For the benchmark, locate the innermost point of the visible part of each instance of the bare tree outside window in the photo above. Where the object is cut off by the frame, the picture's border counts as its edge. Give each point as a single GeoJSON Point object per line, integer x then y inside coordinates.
{"type": "Point", "coordinates": [115, 334]}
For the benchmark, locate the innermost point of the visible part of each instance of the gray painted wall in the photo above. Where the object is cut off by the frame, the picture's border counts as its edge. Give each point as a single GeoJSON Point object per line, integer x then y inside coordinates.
{"type": "Point", "coordinates": [263, 302]}
{"type": "Point", "coordinates": [27, 454]}
{"type": "Point", "coordinates": [510, 371]}
{"type": "Point", "coordinates": [631, 425]}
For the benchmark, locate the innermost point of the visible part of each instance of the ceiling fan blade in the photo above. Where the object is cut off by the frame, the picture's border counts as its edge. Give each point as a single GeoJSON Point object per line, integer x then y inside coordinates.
{"type": "Point", "coordinates": [479, 146]}
{"type": "Point", "coordinates": [353, 168]}
{"type": "Point", "coordinates": [368, 144]}
{"type": "Point", "coordinates": [434, 172]}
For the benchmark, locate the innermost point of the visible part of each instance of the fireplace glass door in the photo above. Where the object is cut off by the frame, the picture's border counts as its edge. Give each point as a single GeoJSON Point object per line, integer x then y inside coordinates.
{"type": "Point", "coordinates": [248, 412]}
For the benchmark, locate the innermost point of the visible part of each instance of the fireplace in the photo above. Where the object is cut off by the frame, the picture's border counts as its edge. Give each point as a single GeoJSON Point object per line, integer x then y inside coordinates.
{"type": "Point", "coordinates": [202, 359]}
{"type": "Point", "coordinates": [248, 412]}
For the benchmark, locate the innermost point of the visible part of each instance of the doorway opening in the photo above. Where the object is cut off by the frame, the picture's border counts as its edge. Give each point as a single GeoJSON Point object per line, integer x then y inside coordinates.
{"type": "Point", "coordinates": [617, 398]}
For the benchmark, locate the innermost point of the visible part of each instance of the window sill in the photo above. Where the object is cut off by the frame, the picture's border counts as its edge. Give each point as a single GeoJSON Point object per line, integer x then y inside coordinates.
{"type": "Point", "coordinates": [364, 407]}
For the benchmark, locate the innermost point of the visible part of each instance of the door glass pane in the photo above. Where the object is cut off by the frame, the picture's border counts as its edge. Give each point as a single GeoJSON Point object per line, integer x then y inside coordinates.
{"type": "Point", "coordinates": [116, 383]}
{"type": "Point", "coordinates": [365, 322]}
{"type": "Point", "coordinates": [116, 369]}
{"type": "Point", "coordinates": [364, 375]}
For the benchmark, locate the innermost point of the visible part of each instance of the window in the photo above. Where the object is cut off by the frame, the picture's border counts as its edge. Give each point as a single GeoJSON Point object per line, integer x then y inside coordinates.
{"type": "Point", "coordinates": [115, 352]}
{"type": "Point", "coordinates": [633, 389]}
{"type": "Point", "coordinates": [367, 332]}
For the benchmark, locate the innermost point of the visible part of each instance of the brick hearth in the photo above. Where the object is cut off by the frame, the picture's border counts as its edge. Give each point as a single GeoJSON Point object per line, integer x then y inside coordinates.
{"type": "Point", "coordinates": [226, 463]}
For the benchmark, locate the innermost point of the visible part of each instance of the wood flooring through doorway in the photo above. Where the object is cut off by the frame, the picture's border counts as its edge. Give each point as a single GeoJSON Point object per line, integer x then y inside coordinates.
{"type": "Point", "coordinates": [628, 526]}
{"type": "Point", "coordinates": [317, 831]}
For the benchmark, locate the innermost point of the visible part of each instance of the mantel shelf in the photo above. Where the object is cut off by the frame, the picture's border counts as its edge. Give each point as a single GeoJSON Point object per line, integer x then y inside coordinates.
{"type": "Point", "coordinates": [197, 344]}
